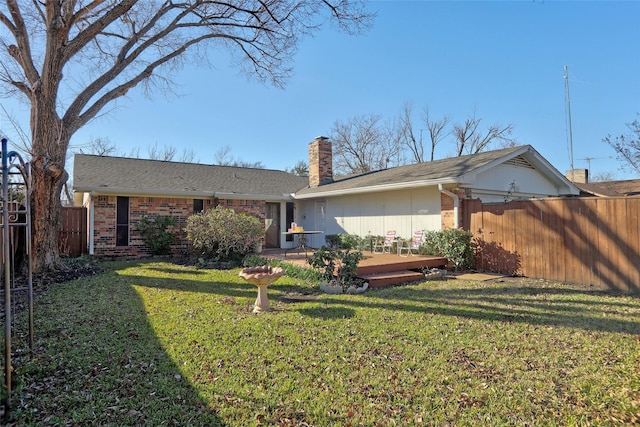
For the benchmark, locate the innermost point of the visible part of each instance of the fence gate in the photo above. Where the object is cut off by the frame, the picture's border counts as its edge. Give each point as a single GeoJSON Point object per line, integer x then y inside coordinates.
{"type": "Point", "coordinates": [73, 236]}
{"type": "Point", "coordinates": [15, 264]}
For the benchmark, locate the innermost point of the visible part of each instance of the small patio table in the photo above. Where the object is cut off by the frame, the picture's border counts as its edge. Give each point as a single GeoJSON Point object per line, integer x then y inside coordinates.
{"type": "Point", "coordinates": [301, 238]}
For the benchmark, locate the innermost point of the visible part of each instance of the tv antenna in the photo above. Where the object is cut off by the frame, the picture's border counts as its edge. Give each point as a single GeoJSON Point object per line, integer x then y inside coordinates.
{"type": "Point", "coordinates": [588, 160]}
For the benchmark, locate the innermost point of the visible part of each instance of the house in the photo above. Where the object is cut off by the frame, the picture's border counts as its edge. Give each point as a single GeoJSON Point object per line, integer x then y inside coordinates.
{"type": "Point", "coordinates": [118, 192]}
{"type": "Point", "coordinates": [420, 196]}
{"type": "Point", "coordinates": [580, 177]}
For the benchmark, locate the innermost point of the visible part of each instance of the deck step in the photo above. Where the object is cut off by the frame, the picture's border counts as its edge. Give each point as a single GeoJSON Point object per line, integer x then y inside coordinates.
{"type": "Point", "coordinates": [388, 278]}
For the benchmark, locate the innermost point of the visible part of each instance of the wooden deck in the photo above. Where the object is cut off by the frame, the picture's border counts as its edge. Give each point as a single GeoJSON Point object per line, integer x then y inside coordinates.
{"type": "Point", "coordinates": [379, 270]}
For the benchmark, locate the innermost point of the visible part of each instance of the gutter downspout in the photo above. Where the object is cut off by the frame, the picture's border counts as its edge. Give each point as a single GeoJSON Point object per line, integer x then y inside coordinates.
{"type": "Point", "coordinates": [456, 204]}
{"type": "Point", "coordinates": [92, 196]}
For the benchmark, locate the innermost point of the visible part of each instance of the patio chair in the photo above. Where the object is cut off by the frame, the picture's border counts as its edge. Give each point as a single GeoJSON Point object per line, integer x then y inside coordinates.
{"type": "Point", "coordinates": [411, 247]}
{"type": "Point", "coordinates": [384, 246]}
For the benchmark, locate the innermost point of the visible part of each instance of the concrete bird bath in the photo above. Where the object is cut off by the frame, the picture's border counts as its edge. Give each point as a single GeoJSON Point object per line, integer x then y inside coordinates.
{"type": "Point", "coordinates": [262, 277]}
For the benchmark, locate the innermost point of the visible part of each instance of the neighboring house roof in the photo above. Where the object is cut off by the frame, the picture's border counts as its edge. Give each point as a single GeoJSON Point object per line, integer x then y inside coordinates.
{"type": "Point", "coordinates": [630, 187]}
{"type": "Point", "coordinates": [122, 176]}
{"type": "Point", "coordinates": [455, 170]}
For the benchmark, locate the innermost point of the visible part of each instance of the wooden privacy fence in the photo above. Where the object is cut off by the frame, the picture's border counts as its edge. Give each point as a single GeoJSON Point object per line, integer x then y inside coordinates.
{"type": "Point", "coordinates": [589, 241]}
{"type": "Point", "coordinates": [73, 238]}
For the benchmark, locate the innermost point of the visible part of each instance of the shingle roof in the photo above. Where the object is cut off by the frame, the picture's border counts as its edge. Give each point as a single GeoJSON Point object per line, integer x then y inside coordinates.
{"type": "Point", "coordinates": [612, 188]}
{"type": "Point", "coordinates": [118, 175]}
{"type": "Point", "coordinates": [451, 169]}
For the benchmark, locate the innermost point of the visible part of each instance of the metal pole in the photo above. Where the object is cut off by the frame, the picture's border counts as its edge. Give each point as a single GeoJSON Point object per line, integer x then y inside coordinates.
{"type": "Point", "coordinates": [569, 130]}
{"type": "Point", "coordinates": [27, 177]}
{"type": "Point", "coordinates": [7, 276]}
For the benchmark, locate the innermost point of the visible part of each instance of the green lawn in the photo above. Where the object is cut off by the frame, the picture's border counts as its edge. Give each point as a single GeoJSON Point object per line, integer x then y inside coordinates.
{"type": "Point", "coordinates": [152, 343]}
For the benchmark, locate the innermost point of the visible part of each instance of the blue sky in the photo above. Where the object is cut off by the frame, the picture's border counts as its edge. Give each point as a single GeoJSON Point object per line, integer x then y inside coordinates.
{"type": "Point", "coordinates": [502, 59]}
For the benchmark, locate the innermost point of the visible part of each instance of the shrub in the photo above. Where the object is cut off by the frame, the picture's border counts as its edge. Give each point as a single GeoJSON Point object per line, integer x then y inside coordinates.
{"type": "Point", "coordinates": [290, 270]}
{"type": "Point", "coordinates": [221, 234]}
{"type": "Point", "coordinates": [347, 241]}
{"type": "Point", "coordinates": [155, 233]}
{"type": "Point", "coordinates": [454, 244]}
{"type": "Point", "coordinates": [337, 266]}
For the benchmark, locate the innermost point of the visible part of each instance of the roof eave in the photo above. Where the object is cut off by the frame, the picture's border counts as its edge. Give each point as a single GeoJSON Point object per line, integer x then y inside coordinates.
{"type": "Point", "coordinates": [378, 188]}
{"type": "Point", "coordinates": [182, 194]}
{"type": "Point", "coordinates": [554, 174]}
{"type": "Point", "coordinates": [564, 186]}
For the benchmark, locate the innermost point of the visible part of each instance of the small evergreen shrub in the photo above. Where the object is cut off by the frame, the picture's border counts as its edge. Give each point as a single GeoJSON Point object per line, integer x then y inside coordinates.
{"type": "Point", "coordinates": [454, 244]}
{"type": "Point", "coordinates": [156, 233]}
{"type": "Point", "coordinates": [221, 234]}
{"type": "Point", "coordinates": [337, 266]}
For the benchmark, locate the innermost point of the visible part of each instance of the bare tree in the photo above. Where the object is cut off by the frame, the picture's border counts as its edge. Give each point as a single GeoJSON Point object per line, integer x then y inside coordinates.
{"type": "Point", "coordinates": [361, 145]}
{"type": "Point", "coordinates": [627, 146]}
{"type": "Point", "coordinates": [470, 139]}
{"type": "Point", "coordinates": [414, 140]}
{"type": "Point", "coordinates": [98, 146]}
{"type": "Point", "coordinates": [408, 136]}
{"type": "Point", "coordinates": [134, 153]}
{"type": "Point", "coordinates": [188, 156]}
{"type": "Point", "coordinates": [603, 177]}
{"type": "Point", "coordinates": [108, 47]}
{"type": "Point", "coordinates": [24, 142]}
{"type": "Point", "coordinates": [165, 154]}
{"type": "Point", "coordinates": [223, 157]}
{"type": "Point", "coordinates": [437, 130]}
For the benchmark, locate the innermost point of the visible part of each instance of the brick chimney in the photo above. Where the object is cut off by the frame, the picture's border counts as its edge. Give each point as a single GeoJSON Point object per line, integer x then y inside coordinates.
{"type": "Point", "coordinates": [580, 176]}
{"type": "Point", "coordinates": [320, 162]}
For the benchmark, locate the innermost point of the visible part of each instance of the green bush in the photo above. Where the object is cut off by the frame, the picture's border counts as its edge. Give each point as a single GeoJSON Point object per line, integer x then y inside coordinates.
{"type": "Point", "coordinates": [290, 270]}
{"type": "Point", "coordinates": [221, 234]}
{"type": "Point", "coordinates": [337, 266]}
{"type": "Point", "coordinates": [347, 241]}
{"type": "Point", "coordinates": [155, 233]}
{"type": "Point", "coordinates": [454, 244]}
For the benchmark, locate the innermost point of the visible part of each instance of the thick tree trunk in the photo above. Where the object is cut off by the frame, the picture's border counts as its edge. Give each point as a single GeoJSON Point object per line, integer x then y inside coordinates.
{"type": "Point", "coordinates": [48, 180]}
{"type": "Point", "coordinates": [49, 145]}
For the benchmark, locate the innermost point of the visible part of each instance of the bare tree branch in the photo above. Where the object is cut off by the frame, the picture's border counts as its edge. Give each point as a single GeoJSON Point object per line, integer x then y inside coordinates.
{"type": "Point", "coordinates": [471, 140]}
{"type": "Point", "coordinates": [627, 146]}
{"type": "Point", "coordinates": [108, 47]}
{"type": "Point", "coordinates": [407, 134]}
{"type": "Point", "coordinates": [437, 130]}
{"type": "Point", "coordinates": [361, 145]}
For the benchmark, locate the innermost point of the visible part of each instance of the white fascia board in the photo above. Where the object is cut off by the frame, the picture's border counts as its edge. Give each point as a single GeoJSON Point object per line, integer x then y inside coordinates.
{"type": "Point", "coordinates": [184, 195]}
{"type": "Point", "coordinates": [378, 188]}
{"type": "Point", "coordinates": [265, 197]}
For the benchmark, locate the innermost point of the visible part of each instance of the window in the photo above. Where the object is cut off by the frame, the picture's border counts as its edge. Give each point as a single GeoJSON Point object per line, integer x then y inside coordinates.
{"type": "Point", "coordinates": [198, 205]}
{"type": "Point", "coordinates": [122, 221]}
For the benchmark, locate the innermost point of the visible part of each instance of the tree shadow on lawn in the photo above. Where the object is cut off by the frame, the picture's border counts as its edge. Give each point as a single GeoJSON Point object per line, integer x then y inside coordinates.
{"type": "Point", "coordinates": [98, 361]}
{"type": "Point", "coordinates": [236, 288]}
{"type": "Point", "coordinates": [548, 306]}
{"type": "Point", "coordinates": [524, 304]}
{"type": "Point", "coordinates": [168, 270]}
{"type": "Point", "coordinates": [239, 289]}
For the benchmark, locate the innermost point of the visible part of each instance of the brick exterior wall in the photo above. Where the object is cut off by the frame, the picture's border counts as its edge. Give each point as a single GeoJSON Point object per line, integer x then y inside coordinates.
{"type": "Point", "coordinates": [320, 162]}
{"type": "Point", "coordinates": [446, 208]}
{"type": "Point", "coordinates": [104, 233]}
